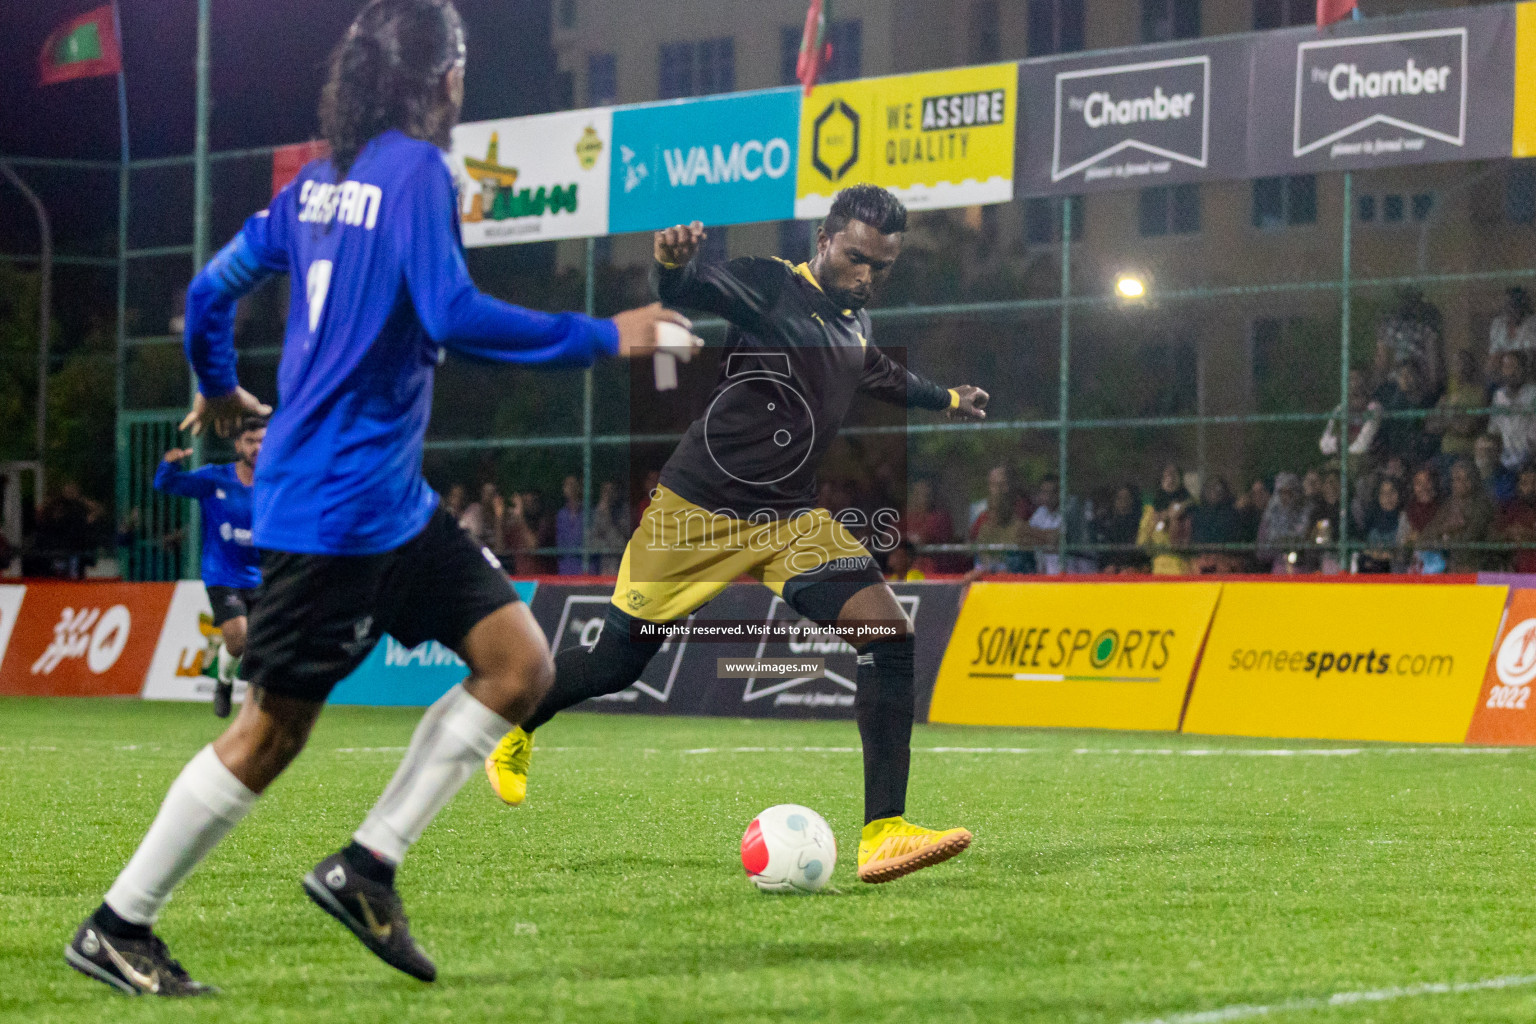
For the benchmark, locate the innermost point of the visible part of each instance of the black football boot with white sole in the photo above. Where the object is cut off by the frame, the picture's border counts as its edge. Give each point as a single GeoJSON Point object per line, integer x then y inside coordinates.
{"type": "Point", "coordinates": [141, 966]}
{"type": "Point", "coordinates": [372, 911]}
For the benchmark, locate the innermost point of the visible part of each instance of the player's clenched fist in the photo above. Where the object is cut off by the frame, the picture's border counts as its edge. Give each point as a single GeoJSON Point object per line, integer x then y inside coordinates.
{"type": "Point", "coordinates": [972, 404]}
{"type": "Point", "coordinates": [677, 245]}
{"type": "Point", "coordinates": [640, 329]}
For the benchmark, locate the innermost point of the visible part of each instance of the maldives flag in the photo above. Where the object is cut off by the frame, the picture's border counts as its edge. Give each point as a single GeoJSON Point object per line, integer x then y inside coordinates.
{"type": "Point", "coordinates": [1330, 11]}
{"type": "Point", "coordinates": [815, 51]}
{"type": "Point", "coordinates": [83, 48]}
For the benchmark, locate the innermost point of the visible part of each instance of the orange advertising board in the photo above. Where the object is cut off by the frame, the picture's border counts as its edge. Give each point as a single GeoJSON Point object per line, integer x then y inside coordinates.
{"type": "Point", "coordinates": [84, 639]}
{"type": "Point", "coordinates": [1505, 712]}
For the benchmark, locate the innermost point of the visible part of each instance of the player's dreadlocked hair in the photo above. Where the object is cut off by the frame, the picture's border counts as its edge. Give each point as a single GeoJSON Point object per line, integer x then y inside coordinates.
{"type": "Point", "coordinates": [869, 203]}
{"type": "Point", "coordinates": [387, 72]}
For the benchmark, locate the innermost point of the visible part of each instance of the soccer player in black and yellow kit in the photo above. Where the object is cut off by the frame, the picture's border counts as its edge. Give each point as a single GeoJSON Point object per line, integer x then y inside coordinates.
{"type": "Point", "coordinates": [738, 497]}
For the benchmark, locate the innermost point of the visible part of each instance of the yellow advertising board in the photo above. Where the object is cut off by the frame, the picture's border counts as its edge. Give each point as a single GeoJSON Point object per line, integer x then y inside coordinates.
{"type": "Point", "coordinates": [1089, 655]}
{"type": "Point", "coordinates": [937, 139]}
{"type": "Point", "coordinates": [1346, 661]}
{"type": "Point", "coordinates": [1524, 142]}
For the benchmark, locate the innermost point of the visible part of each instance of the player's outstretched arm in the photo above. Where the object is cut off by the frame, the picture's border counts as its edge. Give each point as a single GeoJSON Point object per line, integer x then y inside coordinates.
{"type": "Point", "coordinates": [458, 316]}
{"type": "Point", "coordinates": [889, 381]}
{"type": "Point", "coordinates": [210, 328]}
{"type": "Point", "coordinates": [172, 479]}
{"type": "Point", "coordinates": [742, 290]}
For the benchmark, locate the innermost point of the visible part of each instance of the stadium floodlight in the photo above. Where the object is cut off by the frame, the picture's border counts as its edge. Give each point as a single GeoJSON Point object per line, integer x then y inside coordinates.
{"type": "Point", "coordinates": [1130, 286]}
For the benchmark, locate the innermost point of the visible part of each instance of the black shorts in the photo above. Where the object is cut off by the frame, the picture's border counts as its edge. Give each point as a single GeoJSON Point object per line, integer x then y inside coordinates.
{"type": "Point", "coordinates": [231, 603]}
{"type": "Point", "coordinates": [318, 616]}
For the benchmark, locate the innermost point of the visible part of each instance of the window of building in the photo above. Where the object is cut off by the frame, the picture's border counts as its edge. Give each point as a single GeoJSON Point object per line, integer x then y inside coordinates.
{"type": "Point", "coordinates": [1520, 194]}
{"type": "Point", "coordinates": [564, 90]}
{"type": "Point", "coordinates": [1392, 209]}
{"type": "Point", "coordinates": [1367, 208]}
{"type": "Point", "coordinates": [1269, 14]}
{"type": "Point", "coordinates": [795, 240]}
{"type": "Point", "coordinates": [1055, 26]}
{"type": "Point", "coordinates": [986, 42]}
{"type": "Point", "coordinates": [696, 69]}
{"type": "Point", "coordinates": [1423, 205]}
{"type": "Point", "coordinates": [1169, 210]}
{"type": "Point", "coordinates": [1042, 220]}
{"type": "Point", "coordinates": [847, 39]}
{"type": "Point", "coordinates": [567, 14]}
{"type": "Point", "coordinates": [1285, 201]}
{"type": "Point", "coordinates": [675, 71]}
{"type": "Point", "coordinates": [717, 66]}
{"type": "Point", "coordinates": [1162, 20]}
{"type": "Point", "coordinates": [716, 245]}
{"type": "Point", "coordinates": [602, 79]}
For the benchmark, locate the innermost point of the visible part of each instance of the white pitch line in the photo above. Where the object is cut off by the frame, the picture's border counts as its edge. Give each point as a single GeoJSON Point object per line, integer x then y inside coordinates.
{"type": "Point", "coordinates": [1243, 1011]}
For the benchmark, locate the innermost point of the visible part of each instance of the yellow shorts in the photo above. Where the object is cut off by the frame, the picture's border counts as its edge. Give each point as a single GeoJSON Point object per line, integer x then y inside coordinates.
{"type": "Point", "coordinates": [682, 555]}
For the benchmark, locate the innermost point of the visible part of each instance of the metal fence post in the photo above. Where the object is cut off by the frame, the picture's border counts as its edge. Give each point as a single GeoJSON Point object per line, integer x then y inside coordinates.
{"type": "Point", "coordinates": [193, 541]}
{"type": "Point", "coordinates": [1344, 308]}
{"type": "Point", "coordinates": [586, 415]}
{"type": "Point", "coordinates": [1064, 381]}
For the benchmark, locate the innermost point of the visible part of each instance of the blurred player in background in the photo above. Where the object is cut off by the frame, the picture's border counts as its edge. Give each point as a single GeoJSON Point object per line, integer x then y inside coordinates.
{"type": "Point", "coordinates": [354, 542]}
{"type": "Point", "coordinates": [738, 496]}
{"type": "Point", "coordinates": [231, 563]}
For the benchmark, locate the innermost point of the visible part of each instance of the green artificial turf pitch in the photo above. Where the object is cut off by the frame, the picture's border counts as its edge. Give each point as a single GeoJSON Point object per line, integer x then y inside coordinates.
{"type": "Point", "coordinates": [1106, 883]}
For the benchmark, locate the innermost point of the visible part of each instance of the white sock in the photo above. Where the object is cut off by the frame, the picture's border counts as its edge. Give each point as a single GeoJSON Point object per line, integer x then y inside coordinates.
{"type": "Point", "coordinates": [454, 737]}
{"type": "Point", "coordinates": [203, 804]}
{"type": "Point", "coordinates": [228, 665]}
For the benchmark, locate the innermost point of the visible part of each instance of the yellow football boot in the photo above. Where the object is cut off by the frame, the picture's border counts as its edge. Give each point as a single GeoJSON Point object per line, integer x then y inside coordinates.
{"type": "Point", "coordinates": [507, 767]}
{"type": "Point", "coordinates": [891, 847]}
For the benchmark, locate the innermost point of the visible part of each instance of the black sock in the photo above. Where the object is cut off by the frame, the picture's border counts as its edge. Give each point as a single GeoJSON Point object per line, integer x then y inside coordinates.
{"type": "Point", "coordinates": [368, 864]}
{"type": "Point", "coordinates": [615, 661]}
{"type": "Point", "coordinates": [885, 704]}
{"type": "Point", "coordinates": [113, 924]}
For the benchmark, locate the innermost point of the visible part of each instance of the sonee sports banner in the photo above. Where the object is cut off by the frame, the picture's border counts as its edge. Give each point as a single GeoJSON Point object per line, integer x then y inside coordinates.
{"type": "Point", "coordinates": [1081, 655]}
{"type": "Point", "coordinates": [1389, 661]}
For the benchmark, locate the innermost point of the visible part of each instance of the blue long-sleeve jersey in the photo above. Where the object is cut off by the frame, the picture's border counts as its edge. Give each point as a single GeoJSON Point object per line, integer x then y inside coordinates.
{"type": "Point", "coordinates": [229, 557]}
{"type": "Point", "coordinates": [379, 288]}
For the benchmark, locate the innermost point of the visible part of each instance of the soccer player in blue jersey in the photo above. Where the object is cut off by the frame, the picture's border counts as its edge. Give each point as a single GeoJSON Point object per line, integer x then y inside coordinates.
{"type": "Point", "coordinates": [354, 543]}
{"type": "Point", "coordinates": [231, 563]}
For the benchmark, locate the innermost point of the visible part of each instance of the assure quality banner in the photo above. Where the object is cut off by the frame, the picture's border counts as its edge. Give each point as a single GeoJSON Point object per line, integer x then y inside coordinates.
{"type": "Point", "coordinates": [533, 179]}
{"type": "Point", "coordinates": [937, 139]}
{"type": "Point", "coordinates": [1505, 713]}
{"type": "Point", "coordinates": [1083, 655]}
{"type": "Point", "coordinates": [1400, 662]}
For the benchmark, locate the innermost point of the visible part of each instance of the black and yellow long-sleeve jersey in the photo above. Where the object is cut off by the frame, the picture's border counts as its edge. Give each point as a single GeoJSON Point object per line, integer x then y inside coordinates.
{"type": "Point", "coordinates": [793, 364]}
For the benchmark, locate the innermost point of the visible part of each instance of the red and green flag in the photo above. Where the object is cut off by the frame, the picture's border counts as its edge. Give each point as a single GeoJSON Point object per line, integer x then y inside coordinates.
{"type": "Point", "coordinates": [1330, 11]}
{"type": "Point", "coordinates": [815, 50]}
{"type": "Point", "coordinates": [85, 47]}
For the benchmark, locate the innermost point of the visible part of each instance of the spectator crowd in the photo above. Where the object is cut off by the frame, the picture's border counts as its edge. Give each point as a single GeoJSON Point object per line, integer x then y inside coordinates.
{"type": "Point", "coordinates": [1436, 485]}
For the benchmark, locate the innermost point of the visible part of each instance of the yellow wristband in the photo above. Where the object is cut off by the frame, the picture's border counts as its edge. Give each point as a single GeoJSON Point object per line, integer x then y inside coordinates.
{"type": "Point", "coordinates": [954, 399]}
{"type": "Point", "coordinates": [668, 266]}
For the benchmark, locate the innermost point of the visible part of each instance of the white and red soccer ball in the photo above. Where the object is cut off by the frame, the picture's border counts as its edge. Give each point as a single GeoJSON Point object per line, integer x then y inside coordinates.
{"type": "Point", "coordinates": [789, 848]}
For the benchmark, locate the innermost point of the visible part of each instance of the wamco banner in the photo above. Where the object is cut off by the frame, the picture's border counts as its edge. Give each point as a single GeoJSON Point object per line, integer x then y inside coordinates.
{"type": "Point", "coordinates": [1080, 655]}
{"type": "Point", "coordinates": [720, 160]}
{"type": "Point", "coordinates": [1133, 119]}
{"type": "Point", "coordinates": [1412, 90]}
{"type": "Point", "coordinates": [533, 179]}
{"type": "Point", "coordinates": [725, 663]}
